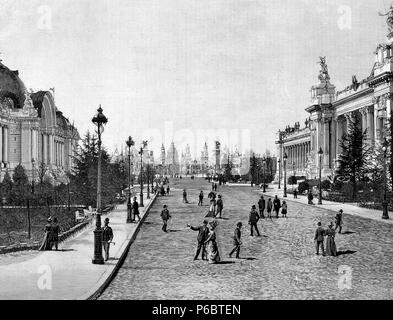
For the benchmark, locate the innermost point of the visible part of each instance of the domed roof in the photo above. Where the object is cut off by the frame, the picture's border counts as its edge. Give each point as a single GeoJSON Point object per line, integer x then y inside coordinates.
{"type": "Point", "coordinates": [12, 86]}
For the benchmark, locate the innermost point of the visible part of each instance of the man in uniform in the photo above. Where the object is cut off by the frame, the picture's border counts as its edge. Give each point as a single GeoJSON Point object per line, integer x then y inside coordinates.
{"type": "Point", "coordinates": [107, 237]}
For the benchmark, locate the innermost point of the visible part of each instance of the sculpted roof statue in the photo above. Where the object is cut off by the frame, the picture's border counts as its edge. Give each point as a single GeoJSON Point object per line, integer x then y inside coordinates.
{"type": "Point", "coordinates": [389, 19]}
{"type": "Point", "coordinates": [324, 72]}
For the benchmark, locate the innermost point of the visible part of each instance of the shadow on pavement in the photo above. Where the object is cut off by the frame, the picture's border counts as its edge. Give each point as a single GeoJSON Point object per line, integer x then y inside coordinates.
{"type": "Point", "coordinates": [340, 253]}
{"type": "Point", "coordinates": [348, 232]}
{"type": "Point", "coordinates": [226, 262]}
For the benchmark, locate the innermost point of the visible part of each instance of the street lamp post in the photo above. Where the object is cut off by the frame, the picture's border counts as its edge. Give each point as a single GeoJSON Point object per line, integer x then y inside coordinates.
{"type": "Point", "coordinates": [279, 174]}
{"type": "Point", "coordinates": [99, 120]}
{"type": "Point", "coordinates": [148, 176]}
{"type": "Point", "coordinates": [263, 173]}
{"type": "Point", "coordinates": [285, 174]}
{"type": "Point", "coordinates": [144, 144]}
{"type": "Point", "coordinates": [320, 153]}
{"type": "Point", "coordinates": [129, 143]}
{"type": "Point", "coordinates": [385, 214]}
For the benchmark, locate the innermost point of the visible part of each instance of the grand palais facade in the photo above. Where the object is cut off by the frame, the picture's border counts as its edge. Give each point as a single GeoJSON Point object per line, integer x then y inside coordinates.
{"type": "Point", "coordinates": [329, 113]}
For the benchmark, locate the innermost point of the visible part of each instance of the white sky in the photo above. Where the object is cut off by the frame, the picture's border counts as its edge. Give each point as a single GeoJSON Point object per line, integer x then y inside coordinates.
{"type": "Point", "coordinates": [201, 64]}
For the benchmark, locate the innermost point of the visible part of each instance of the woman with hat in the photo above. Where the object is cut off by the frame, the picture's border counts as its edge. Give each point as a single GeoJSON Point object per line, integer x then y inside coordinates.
{"type": "Point", "coordinates": [47, 242]}
{"type": "Point", "coordinates": [331, 249]}
{"type": "Point", "coordinates": [211, 241]}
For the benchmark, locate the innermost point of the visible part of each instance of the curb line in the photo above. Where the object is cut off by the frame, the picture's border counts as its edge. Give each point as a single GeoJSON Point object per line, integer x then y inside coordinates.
{"type": "Point", "coordinates": [96, 291]}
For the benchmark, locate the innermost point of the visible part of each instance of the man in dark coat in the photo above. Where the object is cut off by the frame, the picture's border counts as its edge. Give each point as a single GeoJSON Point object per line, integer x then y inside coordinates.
{"type": "Point", "coordinates": [220, 206]}
{"type": "Point", "coordinates": [269, 207]}
{"type": "Point", "coordinates": [339, 221]}
{"type": "Point", "coordinates": [276, 205]}
{"type": "Point", "coordinates": [253, 221]}
{"type": "Point", "coordinates": [203, 232]}
{"type": "Point", "coordinates": [135, 210]}
{"type": "Point", "coordinates": [319, 238]}
{"type": "Point", "coordinates": [185, 196]}
{"type": "Point", "coordinates": [236, 241]}
{"type": "Point", "coordinates": [167, 190]}
{"type": "Point", "coordinates": [107, 237]}
{"type": "Point", "coordinates": [200, 203]}
{"type": "Point", "coordinates": [165, 216]}
{"type": "Point", "coordinates": [262, 205]}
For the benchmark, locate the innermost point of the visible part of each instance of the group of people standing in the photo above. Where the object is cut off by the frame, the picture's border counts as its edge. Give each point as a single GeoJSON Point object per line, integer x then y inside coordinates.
{"type": "Point", "coordinates": [133, 207]}
{"type": "Point", "coordinates": [270, 206]}
{"type": "Point", "coordinates": [51, 236]}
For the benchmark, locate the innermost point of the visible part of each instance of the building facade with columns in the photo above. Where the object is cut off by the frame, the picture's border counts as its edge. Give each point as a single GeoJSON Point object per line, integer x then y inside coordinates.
{"type": "Point", "coordinates": [330, 112]}
{"type": "Point", "coordinates": [33, 131]}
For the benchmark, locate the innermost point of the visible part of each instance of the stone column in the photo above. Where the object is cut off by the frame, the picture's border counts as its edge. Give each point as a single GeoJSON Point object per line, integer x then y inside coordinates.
{"type": "Point", "coordinates": [1, 144]}
{"type": "Point", "coordinates": [326, 144]}
{"type": "Point", "coordinates": [51, 149]}
{"type": "Point", "coordinates": [45, 144]}
{"type": "Point", "coordinates": [5, 145]}
{"type": "Point", "coordinates": [370, 124]}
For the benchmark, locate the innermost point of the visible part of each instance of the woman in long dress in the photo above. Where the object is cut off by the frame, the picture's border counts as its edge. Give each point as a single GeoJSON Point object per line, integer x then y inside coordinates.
{"type": "Point", "coordinates": [211, 241]}
{"type": "Point", "coordinates": [331, 249]}
{"type": "Point", "coordinates": [47, 242]}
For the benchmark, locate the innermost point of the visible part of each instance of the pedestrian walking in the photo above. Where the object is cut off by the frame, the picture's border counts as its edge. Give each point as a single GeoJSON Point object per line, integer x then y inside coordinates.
{"type": "Point", "coordinates": [165, 216]}
{"type": "Point", "coordinates": [339, 221]}
{"type": "Point", "coordinates": [331, 249]}
{"type": "Point", "coordinates": [202, 237]}
{"type": "Point", "coordinates": [200, 203]}
{"type": "Point", "coordinates": [168, 190]}
{"type": "Point", "coordinates": [213, 253]}
{"type": "Point", "coordinates": [269, 207]}
{"type": "Point", "coordinates": [107, 237]}
{"type": "Point", "coordinates": [135, 210]}
{"type": "Point", "coordinates": [213, 186]}
{"type": "Point", "coordinates": [237, 241]}
{"type": "Point", "coordinates": [276, 205]}
{"type": "Point", "coordinates": [55, 234]}
{"type": "Point", "coordinates": [284, 209]}
{"type": "Point", "coordinates": [310, 197]}
{"type": "Point", "coordinates": [220, 207]}
{"type": "Point", "coordinates": [262, 205]}
{"type": "Point", "coordinates": [295, 194]}
{"type": "Point", "coordinates": [185, 196]}
{"type": "Point", "coordinates": [319, 239]}
{"type": "Point", "coordinates": [46, 243]}
{"type": "Point", "coordinates": [253, 221]}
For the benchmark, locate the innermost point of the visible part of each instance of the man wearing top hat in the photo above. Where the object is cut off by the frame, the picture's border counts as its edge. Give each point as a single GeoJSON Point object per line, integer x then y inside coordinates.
{"type": "Point", "coordinates": [203, 232]}
{"type": "Point", "coordinates": [107, 237]}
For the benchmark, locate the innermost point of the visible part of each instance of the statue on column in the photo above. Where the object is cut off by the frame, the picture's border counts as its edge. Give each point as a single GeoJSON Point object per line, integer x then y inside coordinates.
{"type": "Point", "coordinates": [324, 72]}
{"type": "Point", "coordinates": [389, 19]}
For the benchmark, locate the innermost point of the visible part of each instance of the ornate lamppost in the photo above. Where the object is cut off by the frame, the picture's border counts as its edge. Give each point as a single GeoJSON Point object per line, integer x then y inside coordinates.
{"type": "Point", "coordinates": [143, 146]}
{"type": "Point", "coordinates": [129, 144]}
{"type": "Point", "coordinates": [148, 175]}
{"type": "Point", "coordinates": [263, 173]}
{"type": "Point", "coordinates": [385, 214]}
{"type": "Point", "coordinates": [285, 174]}
{"type": "Point", "coordinates": [320, 154]}
{"type": "Point", "coordinates": [279, 174]}
{"type": "Point", "coordinates": [99, 120]}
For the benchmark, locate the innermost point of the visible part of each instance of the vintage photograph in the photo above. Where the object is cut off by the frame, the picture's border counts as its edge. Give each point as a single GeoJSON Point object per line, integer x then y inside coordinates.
{"type": "Point", "coordinates": [196, 150]}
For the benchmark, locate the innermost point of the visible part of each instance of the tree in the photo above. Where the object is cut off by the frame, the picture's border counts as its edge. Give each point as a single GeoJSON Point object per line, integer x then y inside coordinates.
{"type": "Point", "coordinates": [6, 188]}
{"type": "Point", "coordinates": [253, 169]}
{"type": "Point", "coordinates": [21, 192]}
{"type": "Point", "coordinates": [355, 153]}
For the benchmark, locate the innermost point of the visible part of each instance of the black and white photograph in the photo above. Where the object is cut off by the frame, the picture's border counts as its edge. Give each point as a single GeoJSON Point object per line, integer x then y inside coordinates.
{"type": "Point", "coordinates": [196, 150]}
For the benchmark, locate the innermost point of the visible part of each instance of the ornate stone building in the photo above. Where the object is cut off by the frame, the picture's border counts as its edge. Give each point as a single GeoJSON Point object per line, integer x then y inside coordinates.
{"type": "Point", "coordinates": [330, 111]}
{"type": "Point", "coordinates": [32, 129]}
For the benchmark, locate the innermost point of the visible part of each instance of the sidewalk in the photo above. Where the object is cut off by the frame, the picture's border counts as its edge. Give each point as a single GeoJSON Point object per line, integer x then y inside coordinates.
{"type": "Point", "coordinates": [70, 274]}
{"type": "Point", "coordinates": [332, 206]}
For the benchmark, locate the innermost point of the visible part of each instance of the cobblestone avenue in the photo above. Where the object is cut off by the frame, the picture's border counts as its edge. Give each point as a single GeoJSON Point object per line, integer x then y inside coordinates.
{"type": "Point", "coordinates": [279, 265]}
